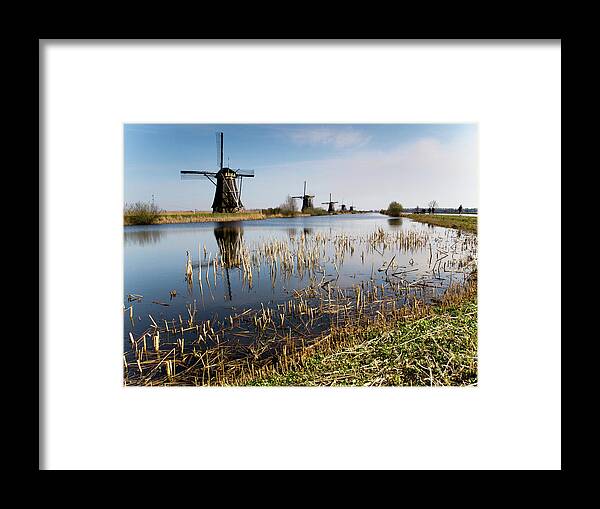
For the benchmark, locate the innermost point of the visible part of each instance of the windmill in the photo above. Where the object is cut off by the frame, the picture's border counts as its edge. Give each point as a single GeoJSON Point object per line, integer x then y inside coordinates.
{"type": "Point", "coordinates": [351, 208]}
{"type": "Point", "coordinates": [331, 207]}
{"type": "Point", "coordinates": [228, 198]}
{"type": "Point", "coordinates": [343, 208]}
{"type": "Point", "coordinates": [307, 202]}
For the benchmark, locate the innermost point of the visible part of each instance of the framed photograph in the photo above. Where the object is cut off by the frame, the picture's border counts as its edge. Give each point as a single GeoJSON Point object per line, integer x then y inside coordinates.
{"type": "Point", "coordinates": [237, 276]}
{"type": "Point", "coordinates": [315, 250]}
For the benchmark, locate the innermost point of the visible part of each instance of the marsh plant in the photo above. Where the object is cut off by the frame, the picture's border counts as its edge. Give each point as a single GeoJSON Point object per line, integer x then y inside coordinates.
{"type": "Point", "coordinates": [325, 315]}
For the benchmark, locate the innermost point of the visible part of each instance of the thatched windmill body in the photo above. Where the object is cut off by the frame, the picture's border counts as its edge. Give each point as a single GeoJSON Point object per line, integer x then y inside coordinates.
{"type": "Point", "coordinates": [307, 199]}
{"type": "Point", "coordinates": [330, 204]}
{"type": "Point", "coordinates": [228, 196]}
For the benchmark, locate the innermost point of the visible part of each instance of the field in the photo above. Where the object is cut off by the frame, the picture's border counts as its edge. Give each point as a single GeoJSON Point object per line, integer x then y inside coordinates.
{"type": "Point", "coordinates": [207, 216]}
{"type": "Point", "coordinates": [465, 223]}
{"type": "Point", "coordinates": [190, 216]}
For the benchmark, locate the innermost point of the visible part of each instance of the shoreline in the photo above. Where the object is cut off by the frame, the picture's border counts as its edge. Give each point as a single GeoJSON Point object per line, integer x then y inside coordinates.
{"type": "Point", "coordinates": [443, 334]}
{"type": "Point", "coordinates": [419, 345]}
{"type": "Point", "coordinates": [211, 217]}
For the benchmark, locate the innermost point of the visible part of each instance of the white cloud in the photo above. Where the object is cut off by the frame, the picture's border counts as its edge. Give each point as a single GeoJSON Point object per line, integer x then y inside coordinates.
{"type": "Point", "coordinates": [339, 138]}
{"type": "Point", "coordinates": [412, 173]}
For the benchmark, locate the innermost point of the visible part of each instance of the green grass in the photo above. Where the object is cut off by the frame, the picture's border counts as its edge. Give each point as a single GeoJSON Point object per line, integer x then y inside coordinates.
{"type": "Point", "coordinates": [465, 223]}
{"type": "Point", "coordinates": [439, 349]}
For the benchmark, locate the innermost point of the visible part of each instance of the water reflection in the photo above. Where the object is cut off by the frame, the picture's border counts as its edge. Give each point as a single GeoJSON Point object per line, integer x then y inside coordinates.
{"type": "Point", "coordinates": [229, 239]}
{"type": "Point", "coordinates": [338, 251]}
{"type": "Point", "coordinates": [142, 237]}
{"type": "Point", "coordinates": [396, 222]}
{"type": "Point", "coordinates": [230, 242]}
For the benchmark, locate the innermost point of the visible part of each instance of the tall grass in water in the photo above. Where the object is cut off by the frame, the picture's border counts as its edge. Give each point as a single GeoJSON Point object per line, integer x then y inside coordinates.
{"type": "Point", "coordinates": [276, 343]}
{"type": "Point", "coordinates": [141, 213]}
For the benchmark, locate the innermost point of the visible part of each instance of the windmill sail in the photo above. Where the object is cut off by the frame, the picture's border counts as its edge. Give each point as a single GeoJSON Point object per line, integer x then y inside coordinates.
{"type": "Point", "coordinates": [192, 174]}
{"type": "Point", "coordinates": [245, 173]}
{"type": "Point", "coordinates": [219, 139]}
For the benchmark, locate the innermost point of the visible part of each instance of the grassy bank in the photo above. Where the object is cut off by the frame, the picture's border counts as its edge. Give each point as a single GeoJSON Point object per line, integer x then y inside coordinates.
{"type": "Point", "coordinates": [197, 217]}
{"type": "Point", "coordinates": [438, 349]}
{"type": "Point", "coordinates": [465, 223]}
{"type": "Point", "coordinates": [207, 216]}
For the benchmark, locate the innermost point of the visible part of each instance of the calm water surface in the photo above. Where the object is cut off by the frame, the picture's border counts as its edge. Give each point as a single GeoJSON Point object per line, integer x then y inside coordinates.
{"type": "Point", "coordinates": [155, 262]}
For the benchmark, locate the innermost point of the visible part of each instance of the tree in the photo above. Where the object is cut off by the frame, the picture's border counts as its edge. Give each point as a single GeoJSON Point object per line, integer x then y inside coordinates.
{"type": "Point", "coordinates": [432, 206]}
{"type": "Point", "coordinates": [394, 209]}
{"type": "Point", "coordinates": [289, 206]}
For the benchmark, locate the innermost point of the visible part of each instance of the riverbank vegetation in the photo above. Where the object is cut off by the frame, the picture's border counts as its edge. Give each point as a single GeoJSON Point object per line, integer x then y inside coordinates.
{"type": "Point", "coordinates": [394, 209]}
{"type": "Point", "coordinates": [205, 216]}
{"type": "Point", "coordinates": [166, 217]}
{"type": "Point", "coordinates": [436, 349]}
{"type": "Point", "coordinates": [278, 212]}
{"type": "Point", "coordinates": [389, 329]}
{"type": "Point", "coordinates": [289, 208]}
{"type": "Point", "coordinates": [465, 223]}
{"type": "Point", "coordinates": [141, 213]}
{"type": "Point", "coordinates": [414, 345]}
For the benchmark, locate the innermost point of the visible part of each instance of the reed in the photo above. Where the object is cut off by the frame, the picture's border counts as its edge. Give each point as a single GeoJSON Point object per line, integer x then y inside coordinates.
{"type": "Point", "coordinates": [279, 343]}
{"type": "Point", "coordinates": [266, 344]}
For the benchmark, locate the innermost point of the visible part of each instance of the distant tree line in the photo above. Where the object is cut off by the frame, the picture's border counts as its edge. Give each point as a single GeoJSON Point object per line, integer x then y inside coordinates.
{"type": "Point", "coordinates": [395, 209]}
{"type": "Point", "coordinates": [435, 210]}
{"type": "Point", "coordinates": [290, 208]}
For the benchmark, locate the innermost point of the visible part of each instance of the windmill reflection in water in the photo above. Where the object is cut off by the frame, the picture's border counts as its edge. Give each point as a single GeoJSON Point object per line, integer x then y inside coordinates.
{"type": "Point", "coordinates": [229, 239]}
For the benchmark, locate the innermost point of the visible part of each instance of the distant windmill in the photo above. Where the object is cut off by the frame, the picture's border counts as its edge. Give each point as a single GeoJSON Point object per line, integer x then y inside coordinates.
{"type": "Point", "coordinates": [343, 208]}
{"type": "Point", "coordinates": [307, 202]}
{"type": "Point", "coordinates": [227, 196]}
{"type": "Point", "coordinates": [331, 207]}
{"type": "Point", "coordinates": [352, 208]}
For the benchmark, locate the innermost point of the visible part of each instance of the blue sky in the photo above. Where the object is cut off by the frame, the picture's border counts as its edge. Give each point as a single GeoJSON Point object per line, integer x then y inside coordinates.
{"type": "Point", "coordinates": [367, 165]}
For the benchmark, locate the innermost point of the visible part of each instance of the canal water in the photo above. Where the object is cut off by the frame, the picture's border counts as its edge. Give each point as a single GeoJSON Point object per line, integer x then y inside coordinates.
{"type": "Point", "coordinates": [267, 262]}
